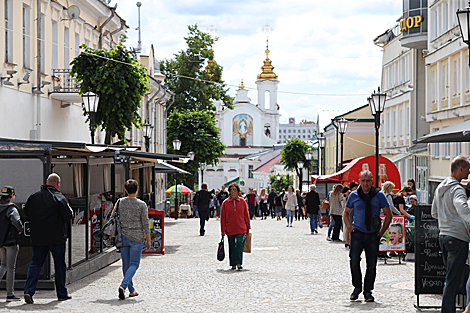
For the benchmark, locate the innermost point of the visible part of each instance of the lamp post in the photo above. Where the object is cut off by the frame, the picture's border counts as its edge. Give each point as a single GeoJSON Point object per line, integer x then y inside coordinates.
{"type": "Point", "coordinates": [308, 157]}
{"type": "Point", "coordinates": [203, 168]}
{"type": "Point", "coordinates": [147, 129]}
{"type": "Point", "coordinates": [191, 155]}
{"type": "Point", "coordinates": [176, 147]}
{"type": "Point", "coordinates": [300, 165]}
{"type": "Point", "coordinates": [90, 102]}
{"type": "Point", "coordinates": [342, 127]}
{"type": "Point", "coordinates": [464, 22]}
{"type": "Point", "coordinates": [321, 143]}
{"type": "Point", "coordinates": [377, 106]}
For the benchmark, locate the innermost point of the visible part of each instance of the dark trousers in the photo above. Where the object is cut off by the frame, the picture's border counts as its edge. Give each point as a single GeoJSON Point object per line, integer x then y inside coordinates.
{"type": "Point", "coordinates": [264, 209]}
{"type": "Point", "coordinates": [203, 215]}
{"type": "Point", "coordinates": [39, 257]}
{"type": "Point", "coordinates": [337, 227]}
{"type": "Point", "coordinates": [251, 210]}
{"type": "Point", "coordinates": [454, 253]}
{"type": "Point", "coordinates": [272, 209]}
{"type": "Point", "coordinates": [235, 249]}
{"type": "Point", "coordinates": [369, 243]}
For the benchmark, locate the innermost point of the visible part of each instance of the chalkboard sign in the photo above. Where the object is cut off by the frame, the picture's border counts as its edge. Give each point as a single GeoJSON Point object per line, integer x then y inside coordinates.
{"type": "Point", "coordinates": [156, 222]}
{"type": "Point", "coordinates": [430, 272]}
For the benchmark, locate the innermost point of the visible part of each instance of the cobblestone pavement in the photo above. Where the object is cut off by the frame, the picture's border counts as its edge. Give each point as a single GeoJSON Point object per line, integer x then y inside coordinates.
{"type": "Point", "coordinates": [289, 270]}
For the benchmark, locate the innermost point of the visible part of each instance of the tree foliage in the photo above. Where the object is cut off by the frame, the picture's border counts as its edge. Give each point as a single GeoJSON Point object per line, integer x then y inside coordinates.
{"type": "Point", "coordinates": [198, 133]}
{"type": "Point", "coordinates": [120, 86]}
{"type": "Point", "coordinates": [292, 152]}
{"type": "Point", "coordinates": [193, 94]}
{"type": "Point", "coordinates": [284, 182]}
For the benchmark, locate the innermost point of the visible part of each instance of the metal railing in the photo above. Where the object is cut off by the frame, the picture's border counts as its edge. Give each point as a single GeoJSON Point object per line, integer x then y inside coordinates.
{"type": "Point", "coordinates": [63, 82]}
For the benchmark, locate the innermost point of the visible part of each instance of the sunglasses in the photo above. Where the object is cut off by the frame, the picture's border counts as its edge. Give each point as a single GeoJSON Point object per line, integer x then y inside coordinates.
{"type": "Point", "coordinates": [232, 189]}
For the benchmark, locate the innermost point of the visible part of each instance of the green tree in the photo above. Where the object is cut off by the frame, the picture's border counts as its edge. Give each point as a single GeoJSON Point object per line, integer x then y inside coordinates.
{"type": "Point", "coordinates": [198, 133]}
{"type": "Point", "coordinates": [292, 152]}
{"type": "Point", "coordinates": [284, 182]}
{"type": "Point", "coordinates": [119, 85]}
{"type": "Point", "coordinates": [196, 94]}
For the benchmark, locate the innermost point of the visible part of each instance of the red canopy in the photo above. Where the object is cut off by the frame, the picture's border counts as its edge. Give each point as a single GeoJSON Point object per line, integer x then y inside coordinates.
{"type": "Point", "coordinates": [387, 171]}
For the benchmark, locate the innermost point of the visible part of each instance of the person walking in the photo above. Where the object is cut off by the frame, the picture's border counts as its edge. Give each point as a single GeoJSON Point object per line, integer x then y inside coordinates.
{"type": "Point", "coordinates": [290, 199]}
{"type": "Point", "coordinates": [235, 223]}
{"type": "Point", "coordinates": [283, 193]}
{"type": "Point", "coordinates": [203, 198]}
{"type": "Point", "coordinates": [271, 196]}
{"type": "Point", "coordinates": [451, 209]}
{"type": "Point", "coordinates": [366, 231]}
{"type": "Point", "coordinates": [263, 203]}
{"type": "Point", "coordinates": [10, 228]}
{"type": "Point", "coordinates": [336, 210]}
{"type": "Point", "coordinates": [251, 198]}
{"type": "Point", "coordinates": [299, 207]}
{"type": "Point", "coordinates": [312, 202]}
{"type": "Point", "coordinates": [257, 208]}
{"type": "Point", "coordinates": [278, 203]}
{"type": "Point", "coordinates": [217, 206]}
{"type": "Point", "coordinates": [387, 188]}
{"type": "Point", "coordinates": [49, 214]}
{"type": "Point", "coordinates": [135, 230]}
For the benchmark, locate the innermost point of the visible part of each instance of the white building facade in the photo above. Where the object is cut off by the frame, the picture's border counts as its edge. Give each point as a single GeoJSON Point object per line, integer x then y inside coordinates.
{"type": "Point", "coordinates": [305, 130]}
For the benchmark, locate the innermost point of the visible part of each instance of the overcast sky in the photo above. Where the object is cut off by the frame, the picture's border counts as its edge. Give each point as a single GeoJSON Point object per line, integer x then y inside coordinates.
{"type": "Point", "coordinates": [317, 46]}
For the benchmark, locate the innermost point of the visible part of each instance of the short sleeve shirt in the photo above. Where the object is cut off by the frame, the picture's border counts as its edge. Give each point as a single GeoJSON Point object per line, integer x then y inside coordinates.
{"type": "Point", "coordinates": [359, 206]}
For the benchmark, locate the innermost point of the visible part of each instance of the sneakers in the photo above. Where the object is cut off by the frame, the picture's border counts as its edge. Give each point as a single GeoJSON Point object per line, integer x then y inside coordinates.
{"type": "Point", "coordinates": [290, 225]}
{"type": "Point", "coordinates": [65, 298]}
{"type": "Point", "coordinates": [368, 297]}
{"type": "Point", "coordinates": [28, 298]}
{"type": "Point", "coordinates": [13, 298]}
{"type": "Point", "coordinates": [316, 231]}
{"type": "Point", "coordinates": [312, 233]}
{"type": "Point", "coordinates": [355, 294]}
{"type": "Point", "coordinates": [121, 293]}
{"type": "Point", "coordinates": [328, 238]}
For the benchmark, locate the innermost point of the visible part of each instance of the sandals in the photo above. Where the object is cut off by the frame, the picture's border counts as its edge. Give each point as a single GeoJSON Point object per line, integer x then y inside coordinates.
{"type": "Point", "coordinates": [133, 294]}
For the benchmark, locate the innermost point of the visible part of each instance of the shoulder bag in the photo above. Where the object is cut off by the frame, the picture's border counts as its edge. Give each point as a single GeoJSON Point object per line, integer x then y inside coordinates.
{"type": "Point", "coordinates": [111, 231]}
{"type": "Point", "coordinates": [221, 250]}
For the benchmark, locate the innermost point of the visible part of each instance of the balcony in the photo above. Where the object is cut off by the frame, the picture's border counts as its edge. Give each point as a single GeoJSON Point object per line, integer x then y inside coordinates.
{"type": "Point", "coordinates": [64, 88]}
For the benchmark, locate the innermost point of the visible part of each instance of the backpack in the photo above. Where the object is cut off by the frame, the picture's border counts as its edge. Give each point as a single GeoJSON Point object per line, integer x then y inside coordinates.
{"type": "Point", "coordinates": [196, 199]}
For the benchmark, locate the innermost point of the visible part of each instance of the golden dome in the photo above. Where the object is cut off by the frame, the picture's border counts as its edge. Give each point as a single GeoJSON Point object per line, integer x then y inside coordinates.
{"type": "Point", "coordinates": [267, 68]}
{"type": "Point", "coordinates": [241, 86]}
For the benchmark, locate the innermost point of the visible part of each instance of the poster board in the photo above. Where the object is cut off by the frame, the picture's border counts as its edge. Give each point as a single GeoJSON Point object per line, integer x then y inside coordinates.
{"type": "Point", "coordinates": [156, 221]}
{"type": "Point", "coordinates": [394, 239]}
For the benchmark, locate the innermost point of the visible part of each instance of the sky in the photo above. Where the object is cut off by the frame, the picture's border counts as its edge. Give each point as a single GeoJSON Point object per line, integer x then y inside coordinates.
{"type": "Point", "coordinates": [322, 48]}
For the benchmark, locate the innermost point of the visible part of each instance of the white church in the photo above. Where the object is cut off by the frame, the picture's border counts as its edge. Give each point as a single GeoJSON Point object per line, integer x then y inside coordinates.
{"type": "Point", "coordinates": [250, 133]}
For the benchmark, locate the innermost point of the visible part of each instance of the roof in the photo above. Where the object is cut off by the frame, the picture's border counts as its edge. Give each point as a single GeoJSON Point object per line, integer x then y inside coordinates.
{"type": "Point", "coordinates": [266, 167]}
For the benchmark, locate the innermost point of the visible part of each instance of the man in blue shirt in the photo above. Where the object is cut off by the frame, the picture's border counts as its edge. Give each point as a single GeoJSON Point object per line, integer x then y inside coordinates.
{"type": "Point", "coordinates": [366, 232]}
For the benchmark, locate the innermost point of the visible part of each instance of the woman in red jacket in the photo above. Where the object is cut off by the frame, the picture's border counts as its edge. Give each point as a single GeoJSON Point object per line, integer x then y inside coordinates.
{"type": "Point", "coordinates": [235, 222]}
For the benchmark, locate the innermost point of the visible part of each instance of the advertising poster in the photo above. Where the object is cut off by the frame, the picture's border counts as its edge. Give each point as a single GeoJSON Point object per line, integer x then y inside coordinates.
{"type": "Point", "coordinates": [394, 239]}
{"type": "Point", "coordinates": [156, 232]}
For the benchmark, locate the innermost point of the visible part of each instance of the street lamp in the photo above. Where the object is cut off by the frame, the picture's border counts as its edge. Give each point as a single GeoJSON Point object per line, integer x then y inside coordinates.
{"type": "Point", "coordinates": [308, 157]}
{"type": "Point", "coordinates": [464, 22]}
{"type": "Point", "coordinates": [176, 147]}
{"type": "Point", "coordinates": [377, 106]}
{"type": "Point", "coordinates": [300, 165]}
{"type": "Point", "coordinates": [147, 129]}
{"type": "Point", "coordinates": [191, 155]}
{"type": "Point", "coordinates": [342, 127]}
{"type": "Point", "coordinates": [278, 176]}
{"type": "Point", "coordinates": [90, 102]}
{"type": "Point", "coordinates": [203, 168]}
{"type": "Point", "coordinates": [321, 143]}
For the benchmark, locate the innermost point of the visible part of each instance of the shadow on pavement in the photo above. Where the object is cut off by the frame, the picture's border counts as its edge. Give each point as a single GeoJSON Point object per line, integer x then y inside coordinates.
{"type": "Point", "coordinates": [230, 271]}
{"type": "Point", "coordinates": [172, 249]}
{"type": "Point", "coordinates": [366, 306]}
{"type": "Point", "coordinates": [31, 307]}
{"type": "Point", "coordinates": [118, 302]}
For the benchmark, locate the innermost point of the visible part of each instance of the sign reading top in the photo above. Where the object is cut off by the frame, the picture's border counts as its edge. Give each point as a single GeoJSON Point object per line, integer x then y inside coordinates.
{"type": "Point", "coordinates": [414, 24]}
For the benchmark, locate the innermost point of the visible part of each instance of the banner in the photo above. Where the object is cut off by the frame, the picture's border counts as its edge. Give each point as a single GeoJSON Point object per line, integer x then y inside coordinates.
{"type": "Point", "coordinates": [394, 239]}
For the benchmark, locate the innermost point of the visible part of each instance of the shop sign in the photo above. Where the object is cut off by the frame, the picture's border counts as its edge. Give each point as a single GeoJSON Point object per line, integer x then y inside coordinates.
{"type": "Point", "coordinates": [410, 22]}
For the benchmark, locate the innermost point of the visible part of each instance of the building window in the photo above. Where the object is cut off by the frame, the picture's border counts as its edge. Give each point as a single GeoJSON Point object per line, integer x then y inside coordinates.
{"type": "Point", "coordinates": [250, 171]}
{"type": "Point", "coordinates": [454, 78]}
{"type": "Point", "coordinates": [435, 150]}
{"type": "Point", "coordinates": [304, 131]}
{"type": "Point", "coordinates": [289, 131]}
{"type": "Point", "coordinates": [446, 150]}
{"type": "Point", "coordinates": [289, 136]}
{"type": "Point", "coordinates": [280, 131]}
{"type": "Point", "coordinates": [400, 120]}
{"type": "Point", "coordinates": [433, 86]}
{"type": "Point", "coordinates": [55, 53]}
{"type": "Point", "coordinates": [26, 40]}
{"type": "Point", "coordinates": [443, 84]}
{"type": "Point", "coordinates": [467, 76]}
{"type": "Point", "coordinates": [8, 15]}
{"type": "Point", "coordinates": [467, 149]}
{"type": "Point", "coordinates": [43, 44]}
{"type": "Point", "coordinates": [407, 120]}
{"type": "Point", "coordinates": [309, 131]}
{"type": "Point", "coordinates": [284, 131]}
{"type": "Point", "coordinates": [457, 149]}
{"type": "Point", "coordinates": [304, 137]}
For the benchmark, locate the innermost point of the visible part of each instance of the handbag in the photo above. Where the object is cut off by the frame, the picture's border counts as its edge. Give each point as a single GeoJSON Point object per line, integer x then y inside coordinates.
{"type": "Point", "coordinates": [111, 231]}
{"type": "Point", "coordinates": [221, 250]}
{"type": "Point", "coordinates": [325, 204]}
{"type": "Point", "coordinates": [247, 243]}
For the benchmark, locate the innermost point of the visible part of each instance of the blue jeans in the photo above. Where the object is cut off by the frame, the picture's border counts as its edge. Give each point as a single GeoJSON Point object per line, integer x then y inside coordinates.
{"type": "Point", "coordinates": [454, 253]}
{"type": "Point", "coordinates": [130, 255]}
{"type": "Point", "coordinates": [313, 222]}
{"type": "Point", "coordinates": [332, 224]}
{"type": "Point", "coordinates": [290, 215]}
{"type": "Point", "coordinates": [195, 211]}
{"type": "Point", "coordinates": [368, 242]}
{"type": "Point", "coordinates": [39, 257]}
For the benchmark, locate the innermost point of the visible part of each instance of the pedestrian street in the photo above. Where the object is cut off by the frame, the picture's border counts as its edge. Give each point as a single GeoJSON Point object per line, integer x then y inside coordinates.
{"type": "Point", "coordinates": [289, 270]}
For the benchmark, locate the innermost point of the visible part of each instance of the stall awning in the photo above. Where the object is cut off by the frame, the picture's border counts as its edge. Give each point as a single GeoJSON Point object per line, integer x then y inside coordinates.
{"type": "Point", "coordinates": [168, 169]}
{"type": "Point", "coordinates": [454, 133]}
{"type": "Point", "coordinates": [235, 180]}
{"type": "Point", "coordinates": [153, 157]}
{"type": "Point", "coordinates": [387, 171]}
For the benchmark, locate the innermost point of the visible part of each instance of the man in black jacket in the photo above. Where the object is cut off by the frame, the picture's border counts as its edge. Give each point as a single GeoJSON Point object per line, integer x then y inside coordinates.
{"type": "Point", "coordinates": [271, 197]}
{"type": "Point", "coordinates": [49, 213]}
{"type": "Point", "coordinates": [312, 202]}
{"type": "Point", "coordinates": [204, 198]}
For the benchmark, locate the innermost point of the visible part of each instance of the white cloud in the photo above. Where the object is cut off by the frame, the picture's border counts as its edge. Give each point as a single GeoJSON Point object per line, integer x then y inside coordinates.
{"type": "Point", "coordinates": [317, 46]}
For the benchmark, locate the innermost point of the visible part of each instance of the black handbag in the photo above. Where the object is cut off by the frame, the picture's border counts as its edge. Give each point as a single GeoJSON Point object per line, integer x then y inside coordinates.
{"type": "Point", "coordinates": [221, 250]}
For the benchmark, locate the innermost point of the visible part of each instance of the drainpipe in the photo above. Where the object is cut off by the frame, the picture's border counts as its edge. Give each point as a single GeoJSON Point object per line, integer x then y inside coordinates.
{"type": "Point", "coordinates": [38, 73]}
{"type": "Point", "coordinates": [104, 24]}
